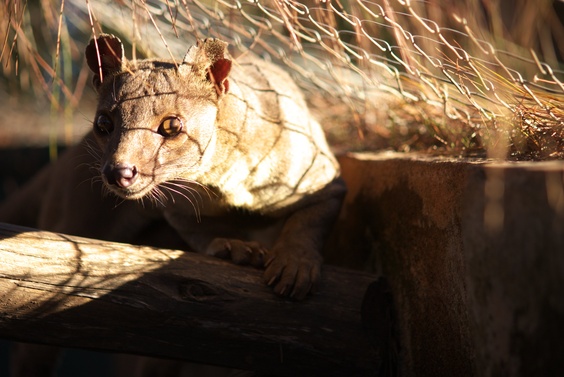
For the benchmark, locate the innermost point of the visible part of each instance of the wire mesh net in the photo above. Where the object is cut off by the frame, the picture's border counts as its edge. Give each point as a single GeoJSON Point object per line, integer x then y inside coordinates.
{"type": "Point", "coordinates": [394, 74]}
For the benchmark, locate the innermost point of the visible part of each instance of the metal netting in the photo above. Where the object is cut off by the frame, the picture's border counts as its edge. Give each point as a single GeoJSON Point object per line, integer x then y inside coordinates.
{"type": "Point", "coordinates": [386, 73]}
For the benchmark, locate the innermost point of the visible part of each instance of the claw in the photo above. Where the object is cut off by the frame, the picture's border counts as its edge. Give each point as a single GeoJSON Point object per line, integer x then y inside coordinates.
{"type": "Point", "coordinates": [268, 262]}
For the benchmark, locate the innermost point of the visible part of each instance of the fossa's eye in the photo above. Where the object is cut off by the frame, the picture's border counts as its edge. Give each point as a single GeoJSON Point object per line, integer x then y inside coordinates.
{"type": "Point", "coordinates": [170, 126]}
{"type": "Point", "coordinates": [103, 124]}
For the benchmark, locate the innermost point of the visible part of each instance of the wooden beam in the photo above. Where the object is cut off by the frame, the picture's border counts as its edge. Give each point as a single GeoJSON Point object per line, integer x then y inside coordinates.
{"type": "Point", "coordinates": [77, 292]}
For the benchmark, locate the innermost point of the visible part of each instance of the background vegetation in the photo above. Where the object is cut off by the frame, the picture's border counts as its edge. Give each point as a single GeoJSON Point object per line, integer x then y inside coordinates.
{"type": "Point", "coordinates": [471, 78]}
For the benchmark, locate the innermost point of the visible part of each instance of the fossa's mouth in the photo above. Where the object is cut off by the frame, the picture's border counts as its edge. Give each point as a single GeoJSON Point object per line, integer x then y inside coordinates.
{"type": "Point", "coordinates": [126, 181]}
{"type": "Point", "coordinates": [130, 193]}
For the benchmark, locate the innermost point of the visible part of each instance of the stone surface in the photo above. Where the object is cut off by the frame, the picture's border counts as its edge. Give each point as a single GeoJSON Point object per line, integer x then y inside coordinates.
{"type": "Point", "coordinates": [473, 252]}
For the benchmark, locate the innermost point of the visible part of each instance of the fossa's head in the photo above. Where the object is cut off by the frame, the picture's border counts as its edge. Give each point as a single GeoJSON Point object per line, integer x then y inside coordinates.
{"type": "Point", "coordinates": [155, 117]}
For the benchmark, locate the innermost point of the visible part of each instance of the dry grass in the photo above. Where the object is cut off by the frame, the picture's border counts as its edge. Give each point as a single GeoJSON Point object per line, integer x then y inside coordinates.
{"type": "Point", "coordinates": [450, 77]}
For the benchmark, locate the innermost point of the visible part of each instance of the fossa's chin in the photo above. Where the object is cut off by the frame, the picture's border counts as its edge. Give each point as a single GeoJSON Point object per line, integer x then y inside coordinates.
{"type": "Point", "coordinates": [131, 193]}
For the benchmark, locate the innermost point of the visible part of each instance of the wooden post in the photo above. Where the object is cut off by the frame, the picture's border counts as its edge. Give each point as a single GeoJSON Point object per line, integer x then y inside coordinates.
{"type": "Point", "coordinates": [77, 292]}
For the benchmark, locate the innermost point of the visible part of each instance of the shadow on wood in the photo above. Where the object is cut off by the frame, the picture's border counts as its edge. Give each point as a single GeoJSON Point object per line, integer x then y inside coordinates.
{"type": "Point", "coordinates": [78, 292]}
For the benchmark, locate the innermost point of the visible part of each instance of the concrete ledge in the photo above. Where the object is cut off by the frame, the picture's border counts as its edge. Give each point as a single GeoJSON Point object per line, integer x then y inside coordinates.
{"type": "Point", "coordinates": [474, 254]}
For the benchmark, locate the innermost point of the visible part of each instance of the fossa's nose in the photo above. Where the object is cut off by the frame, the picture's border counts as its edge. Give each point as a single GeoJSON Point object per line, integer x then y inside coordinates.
{"type": "Point", "coordinates": [121, 175]}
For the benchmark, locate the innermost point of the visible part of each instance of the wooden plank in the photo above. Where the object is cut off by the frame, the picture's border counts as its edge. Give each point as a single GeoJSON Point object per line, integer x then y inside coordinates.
{"type": "Point", "coordinates": [77, 292]}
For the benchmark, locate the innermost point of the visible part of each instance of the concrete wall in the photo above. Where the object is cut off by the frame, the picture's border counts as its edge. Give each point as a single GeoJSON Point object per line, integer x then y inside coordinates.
{"type": "Point", "coordinates": [474, 255]}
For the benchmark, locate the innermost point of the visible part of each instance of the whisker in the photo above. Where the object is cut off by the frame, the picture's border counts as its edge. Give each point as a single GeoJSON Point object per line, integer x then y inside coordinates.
{"type": "Point", "coordinates": [210, 193]}
{"type": "Point", "coordinates": [181, 190]}
{"type": "Point", "coordinates": [157, 197]}
{"type": "Point", "coordinates": [93, 149]}
{"type": "Point", "coordinates": [92, 180]}
{"type": "Point", "coordinates": [119, 200]}
{"type": "Point", "coordinates": [185, 191]}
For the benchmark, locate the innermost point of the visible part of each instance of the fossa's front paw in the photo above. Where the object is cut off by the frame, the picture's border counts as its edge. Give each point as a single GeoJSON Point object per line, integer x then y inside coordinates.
{"type": "Point", "coordinates": [292, 272]}
{"type": "Point", "coordinates": [240, 252]}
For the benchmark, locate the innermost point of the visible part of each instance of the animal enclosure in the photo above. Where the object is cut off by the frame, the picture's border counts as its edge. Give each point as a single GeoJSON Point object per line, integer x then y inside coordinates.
{"type": "Point", "coordinates": [468, 241]}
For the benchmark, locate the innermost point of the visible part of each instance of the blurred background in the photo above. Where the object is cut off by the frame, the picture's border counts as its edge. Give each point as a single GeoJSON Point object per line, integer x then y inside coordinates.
{"type": "Point", "coordinates": [466, 78]}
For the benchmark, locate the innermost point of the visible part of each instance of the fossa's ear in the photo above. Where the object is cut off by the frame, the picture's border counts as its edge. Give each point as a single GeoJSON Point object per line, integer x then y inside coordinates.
{"type": "Point", "coordinates": [105, 57]}
{"type": "Point", "coordinates": [210, 59]}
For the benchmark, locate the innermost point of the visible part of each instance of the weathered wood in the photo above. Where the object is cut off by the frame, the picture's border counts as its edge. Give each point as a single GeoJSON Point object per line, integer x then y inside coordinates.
{"type": "Point", "coordinates": [72, 291]}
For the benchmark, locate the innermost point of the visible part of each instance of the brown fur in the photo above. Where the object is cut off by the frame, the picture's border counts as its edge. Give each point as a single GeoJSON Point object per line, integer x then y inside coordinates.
{"type": "Point", "coordinates": [249, 176]}
{"type": "Point", "coordinates": [248, 163]}
{"type": "Point", "coordinates": [248, 153]}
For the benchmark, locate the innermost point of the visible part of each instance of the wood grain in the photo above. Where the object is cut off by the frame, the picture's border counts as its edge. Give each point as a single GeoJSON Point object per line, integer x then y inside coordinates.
{"type": "Point", "coordinates": [77, 292]}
